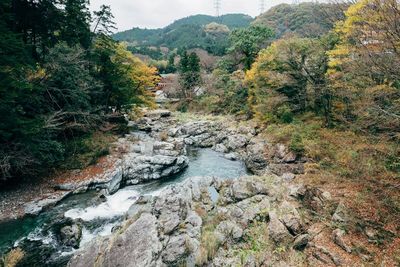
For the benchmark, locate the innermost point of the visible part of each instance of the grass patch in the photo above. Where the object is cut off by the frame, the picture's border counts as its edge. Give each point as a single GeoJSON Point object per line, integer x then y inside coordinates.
{"type": "Point", "coordinates": [209, 243]}
{"type": "Point", "coordinates": [363, 167]}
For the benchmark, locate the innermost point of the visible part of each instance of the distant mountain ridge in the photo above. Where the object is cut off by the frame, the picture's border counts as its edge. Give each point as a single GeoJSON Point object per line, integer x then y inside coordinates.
{"type": "Point", "coordinates": [305, 19]}
{"type": "Point", "coordinates": [211, 33]}
{"type": "Point", "coordinates": [188, 32]}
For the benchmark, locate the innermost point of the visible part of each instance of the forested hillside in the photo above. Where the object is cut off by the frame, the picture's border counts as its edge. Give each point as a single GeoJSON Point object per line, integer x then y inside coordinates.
{"type": "Point", "coordinates": [59, 82]}
{"type": "Point", "coordinates": [190, 32]}
{"type": "Point", "coordinates": [155, 36]}
{"type": "Point", "coordinates": [306, 19]}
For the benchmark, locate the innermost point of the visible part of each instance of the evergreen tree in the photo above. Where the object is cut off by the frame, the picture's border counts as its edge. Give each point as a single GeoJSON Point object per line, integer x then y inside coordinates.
{"type": "Point", "coordinates": [190, 74]}
{"type": "Point", "coordinates": [76, 24]}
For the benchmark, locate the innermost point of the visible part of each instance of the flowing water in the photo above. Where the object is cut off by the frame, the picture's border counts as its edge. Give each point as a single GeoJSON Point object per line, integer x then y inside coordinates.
{"type": "Point", "coordinates": [99, 215]}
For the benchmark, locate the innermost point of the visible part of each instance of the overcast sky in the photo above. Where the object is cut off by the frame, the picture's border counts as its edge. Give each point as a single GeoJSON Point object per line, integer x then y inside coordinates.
{"type": "Point", "coordinates": [160, 13]}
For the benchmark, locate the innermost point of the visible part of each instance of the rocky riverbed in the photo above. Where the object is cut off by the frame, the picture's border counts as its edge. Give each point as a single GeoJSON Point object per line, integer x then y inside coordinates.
{"type": "Point", "coordinates": [263, 219]}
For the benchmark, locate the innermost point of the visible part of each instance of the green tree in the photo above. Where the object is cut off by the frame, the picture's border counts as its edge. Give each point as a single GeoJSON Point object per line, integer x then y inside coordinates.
{"type": "Point", "coordinates": [190, 74]}
{"type": "Point", "coordinates": [124, 77]}
{"type": "Point", "coordinates": [103, 21]}
{"type": "Point", "coordinates": [246, 43]}
{"type": "Point", "coordinates": [171, 68]}
{"type": "Point", "coordinates": [76, 24]}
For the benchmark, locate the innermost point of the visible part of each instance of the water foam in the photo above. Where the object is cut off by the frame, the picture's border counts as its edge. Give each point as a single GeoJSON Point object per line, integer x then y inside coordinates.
{"type": "Point", "coordinates": [115, 205]}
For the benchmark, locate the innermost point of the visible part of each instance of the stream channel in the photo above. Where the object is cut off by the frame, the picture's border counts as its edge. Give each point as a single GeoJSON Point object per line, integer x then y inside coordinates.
{"type": "Point", "coordinates": [99, 214]}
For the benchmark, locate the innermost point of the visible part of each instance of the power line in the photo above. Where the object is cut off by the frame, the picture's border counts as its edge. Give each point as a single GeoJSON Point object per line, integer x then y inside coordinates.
{"type": "Point", "coordinates": [217, 6]}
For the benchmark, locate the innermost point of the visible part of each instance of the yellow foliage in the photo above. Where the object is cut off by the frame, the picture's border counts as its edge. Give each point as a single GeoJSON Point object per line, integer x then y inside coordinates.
{"type": "Point", "coordinates": [145, 75]}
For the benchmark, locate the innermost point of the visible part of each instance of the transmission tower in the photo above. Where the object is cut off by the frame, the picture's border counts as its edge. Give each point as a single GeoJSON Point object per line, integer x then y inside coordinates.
{"type": "Point", "coordinates": [217, 6]}
{"type": "Point", "coordinates": [295, 2]}
{"type": "Point", "coordinates": [262, 6]}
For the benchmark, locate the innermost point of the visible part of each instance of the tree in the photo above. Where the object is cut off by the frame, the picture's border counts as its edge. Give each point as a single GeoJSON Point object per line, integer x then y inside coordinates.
{"type": "Point", "coordinates": [190, 76]}
{"type": "Point", "coordinates": [246, 43]}
{"type": "Point", "coordinates": [76, 24]}
{"type": "Point", "coordinates": [57, 81]}
{"type": "Point", "coordinates": [103, 20]}
{"type": "Point", "coordinates": [125, 78]}
{"type": "Point", "coordinates": [171, 68]}
{"type": "Point", "coordinates": [363, 67]}
{"type": "Point", "coordinates": [289, 78]}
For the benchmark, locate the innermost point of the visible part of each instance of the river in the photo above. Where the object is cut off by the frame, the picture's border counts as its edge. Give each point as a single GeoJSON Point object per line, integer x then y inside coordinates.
{"type": "Point", "coordinates": [100, 214]}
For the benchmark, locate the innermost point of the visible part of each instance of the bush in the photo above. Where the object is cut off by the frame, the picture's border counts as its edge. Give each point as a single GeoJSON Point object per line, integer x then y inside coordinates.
{"type": "Point", "coordinates": [296, 144]}
{"type": "Point", "coordinates": [285, 114]}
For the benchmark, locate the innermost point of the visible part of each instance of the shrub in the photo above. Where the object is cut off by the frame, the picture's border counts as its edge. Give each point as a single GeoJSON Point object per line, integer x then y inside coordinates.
{"type": "Point", "coordinates": [296, 144]}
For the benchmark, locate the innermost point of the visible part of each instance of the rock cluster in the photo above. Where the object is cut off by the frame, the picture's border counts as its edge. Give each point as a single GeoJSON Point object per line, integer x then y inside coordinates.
{"type": "Point", "coordinates": [166, 230]}
{"type": "Point", "coordinates": [156, 149]}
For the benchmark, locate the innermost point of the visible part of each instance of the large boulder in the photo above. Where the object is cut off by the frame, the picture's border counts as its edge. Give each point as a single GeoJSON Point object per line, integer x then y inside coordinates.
{"type": "Point", "coordinates": [228, 231]}
{"type": "Point", "coordinates": [255, 158]}
{"type": "Point", "coordinates": [138, 245]}
{"type": "Point", "coordinates": [71, 235]}
{"type": "Point", "coordinates": [176, 250]}
{"type": "Point", "coordinates": [246, 211]}
{"type": "Point", "coordinates": [139, 169]}
{"type": "Point", "coordinates": [247, 187]}
{"type": "Point", "coordinates": [277, 231]}
{"type": "Point", "coordinates": [290, 218]}
{"type": "Point", "coordinates": [235, 142]}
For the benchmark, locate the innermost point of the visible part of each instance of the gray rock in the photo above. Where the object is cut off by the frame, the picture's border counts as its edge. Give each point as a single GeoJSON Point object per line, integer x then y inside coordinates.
{"type": "Point", "coordinates": [136, 246]}
{"type": "Point", "coordinates": [281, 168]}
{"type": "Point", "coordinates": [172, 207]}
{"type": "Point", "coordinates": [337, 236]}
{"type": "Point", "coordinates": [313, 198]}
{"type": "Point", "coordinates": [71, 235]}
{"type": "Point", "coordinates": [116, 180]}
{"type": "Point", "coordinates": [248, 210]}
{"type": "Point", "coordinates": [297, 191]}
{"type": "Point", "coordinates": [340, 214]}
{"type": "Point", "coordinates": [159, 113]}
{"type": "Point", "coordinates": [137, 209]}
{"type": "Point", "coordinates": [193, 225]}
{"type": "Point", "coordinates": [35, 207]}
{"type": "Point", "coordinates": [301, 241]}
{"type": "Point", "coordinates": [277, 231]}
{"type": "Point", "coordinates": [231, 156]}
{"type": "Point", "coordinates": [236, 142]}
{"type": "Point", "coordinates": [220, 148]}
{"type": "Point", "coordinates": [371, 233]}
{"type": "Point", "coordinates": [91, 256]}
{"type": "Point", "coordinates": [139, 169]}
{"type": "Point", "coordinates": [288, 176]}
{"type": "Point", "coordinates": [247, 187]}
{"type": "Point", "coordinates": [325, 256]}
{"type": "Point", "coordinates": [290, 158]}
{"type": "Point", "coordinates": [228, 231]}
{"type": "Point", "coordinates": [290, 218]}
{"type": "Point", "coordinates": [176, 250]}
{"type": "Point", "coordinates": [281, 151]}
{"type": "Point", "coordinates": [255, 159]}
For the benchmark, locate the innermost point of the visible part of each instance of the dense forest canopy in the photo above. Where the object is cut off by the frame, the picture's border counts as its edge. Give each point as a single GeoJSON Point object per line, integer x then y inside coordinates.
{"type": "Point", "coordinates": [59, 81]}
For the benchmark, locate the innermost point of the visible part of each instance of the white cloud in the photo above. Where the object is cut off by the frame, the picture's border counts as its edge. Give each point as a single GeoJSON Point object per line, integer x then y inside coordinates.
{"type": "Point", "coordinates": [159, 13]}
